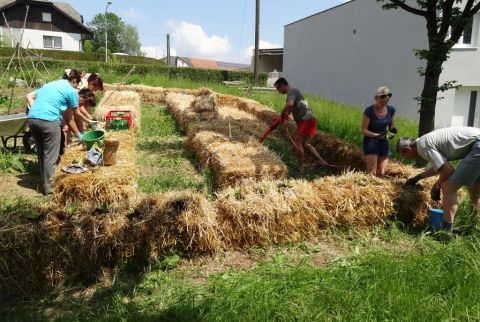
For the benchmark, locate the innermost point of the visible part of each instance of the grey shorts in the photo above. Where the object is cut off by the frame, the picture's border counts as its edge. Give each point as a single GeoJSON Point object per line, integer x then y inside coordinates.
{"type": "Point", "coordinates": [468, 171]}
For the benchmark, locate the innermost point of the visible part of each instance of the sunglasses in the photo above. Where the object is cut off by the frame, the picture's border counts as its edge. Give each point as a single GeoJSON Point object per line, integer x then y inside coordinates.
{"type": "Point", "coordinates": [385, 95]}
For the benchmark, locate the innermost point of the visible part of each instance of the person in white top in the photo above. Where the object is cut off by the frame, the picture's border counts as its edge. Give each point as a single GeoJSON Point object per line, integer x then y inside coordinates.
{"type": "Point", "coordinates": [438, 148]}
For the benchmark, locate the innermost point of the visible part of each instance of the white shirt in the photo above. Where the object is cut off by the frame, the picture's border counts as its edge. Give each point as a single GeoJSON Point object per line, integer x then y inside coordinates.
{"type": "Point", "coordinates": [447, 144]}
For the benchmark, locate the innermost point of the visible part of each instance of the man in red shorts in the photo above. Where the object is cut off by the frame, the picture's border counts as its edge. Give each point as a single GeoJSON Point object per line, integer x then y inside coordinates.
{"type": "Point", "coordinates": [306, 123]}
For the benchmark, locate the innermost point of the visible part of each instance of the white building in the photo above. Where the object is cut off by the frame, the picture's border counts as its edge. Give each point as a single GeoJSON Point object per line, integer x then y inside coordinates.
{"type": "Point", "coordinates": [48, 25]}
{"type": "Point", "coordinates": [346, 52]}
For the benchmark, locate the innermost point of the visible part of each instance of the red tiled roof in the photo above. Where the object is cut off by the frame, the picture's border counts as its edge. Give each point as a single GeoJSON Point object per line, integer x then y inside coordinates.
{"type": "Point", "coordinates": [203, 63]}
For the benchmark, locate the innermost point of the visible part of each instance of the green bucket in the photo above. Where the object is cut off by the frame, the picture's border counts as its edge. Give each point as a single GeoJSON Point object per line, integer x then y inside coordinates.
{"type": "Point", "coordinates": [91, 137]}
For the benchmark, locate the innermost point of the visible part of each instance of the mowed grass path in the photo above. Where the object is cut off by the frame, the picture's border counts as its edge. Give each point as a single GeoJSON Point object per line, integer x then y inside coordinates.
{"type": "Point", "coordinates": [165, 164]}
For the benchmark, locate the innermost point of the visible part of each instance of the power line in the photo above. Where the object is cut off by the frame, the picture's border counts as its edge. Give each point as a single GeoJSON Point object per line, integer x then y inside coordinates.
{"type": "Point", "coordinates": [241, 31]}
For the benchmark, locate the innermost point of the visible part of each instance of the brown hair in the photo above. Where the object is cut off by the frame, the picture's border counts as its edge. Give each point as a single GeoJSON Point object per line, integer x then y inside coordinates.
{"type": "Point", "coordinates": [96, 81]}
{"type": "Point", "coordinates": [72, 75]}
{"type": "Point", "coordinates": [280, 81]}
{"type": "Point", "coordinates": [88, 96]}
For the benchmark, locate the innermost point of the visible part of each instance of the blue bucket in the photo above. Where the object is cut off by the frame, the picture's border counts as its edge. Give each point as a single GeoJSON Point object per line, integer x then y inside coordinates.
{"type": "Point", "coordinates": [435, 218]}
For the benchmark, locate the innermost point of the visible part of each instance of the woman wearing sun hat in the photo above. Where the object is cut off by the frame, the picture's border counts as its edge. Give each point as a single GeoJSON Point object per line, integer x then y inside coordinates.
{"type": "Point", "coordinates": [377, 118]}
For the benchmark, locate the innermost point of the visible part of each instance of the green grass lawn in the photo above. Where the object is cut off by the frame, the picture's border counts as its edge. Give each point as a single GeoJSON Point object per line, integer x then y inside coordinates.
{"type": "Point", "coordinates": [165, 164]}
{"type": "Point", "coordinates": [389, 273]}
{"type": "Point", "coordinates": [384, 275]}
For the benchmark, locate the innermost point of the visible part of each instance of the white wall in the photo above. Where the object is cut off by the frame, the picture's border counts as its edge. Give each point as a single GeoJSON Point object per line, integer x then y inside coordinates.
{"type": "Point", "coordinates": [346, 52]}
{"type": "Point", "coordinates": [34, 38]}
{"type": "Point", "coordinates": [463, 66]}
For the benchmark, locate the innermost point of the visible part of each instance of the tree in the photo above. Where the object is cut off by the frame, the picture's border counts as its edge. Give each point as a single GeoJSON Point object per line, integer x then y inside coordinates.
{"type": "Point", "coordinates": [446, 21]}
{"type": "Point", "coordinates": [130, 41]}
{"type": "Point", "coordinates": [114, 26]}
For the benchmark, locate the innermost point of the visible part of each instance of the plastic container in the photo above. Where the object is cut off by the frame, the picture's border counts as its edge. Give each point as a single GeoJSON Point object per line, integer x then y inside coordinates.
{"type": "Point", "coordinates": [435, 218]}
{"type": "Point", "coordinates": [90, 138]}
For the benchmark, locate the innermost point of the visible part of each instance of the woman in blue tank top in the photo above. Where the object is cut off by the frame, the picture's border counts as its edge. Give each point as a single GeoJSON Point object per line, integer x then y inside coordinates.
{"type": "Point", "coordinates": [376, 119]}
{"type": "Point", "coordinates": [50, 104]}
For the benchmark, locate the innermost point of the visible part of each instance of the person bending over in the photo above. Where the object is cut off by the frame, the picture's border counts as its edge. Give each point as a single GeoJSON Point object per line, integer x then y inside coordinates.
{"type": "Point", "coordinates": [438, 148]}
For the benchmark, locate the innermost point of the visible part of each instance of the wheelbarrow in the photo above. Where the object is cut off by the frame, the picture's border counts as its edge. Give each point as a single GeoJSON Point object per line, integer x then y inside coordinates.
{"type": "Point", "coordinates": [12, 128]}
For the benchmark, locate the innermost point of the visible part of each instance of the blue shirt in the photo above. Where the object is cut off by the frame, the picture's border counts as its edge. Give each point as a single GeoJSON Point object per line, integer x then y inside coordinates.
{"type": "Point", "coordinates": [52, 100]}
{"type": "Point", "coordinates": [379, 125]}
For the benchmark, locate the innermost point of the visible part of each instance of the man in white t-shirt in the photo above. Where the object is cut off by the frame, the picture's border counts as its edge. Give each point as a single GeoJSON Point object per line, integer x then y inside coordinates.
{"type": "Point", "coordinates": [438, 148]}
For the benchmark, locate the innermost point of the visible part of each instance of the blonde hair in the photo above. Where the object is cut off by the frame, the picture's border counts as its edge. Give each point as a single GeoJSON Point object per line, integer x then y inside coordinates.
{"type": "Point", "coordinates": [382, 90]}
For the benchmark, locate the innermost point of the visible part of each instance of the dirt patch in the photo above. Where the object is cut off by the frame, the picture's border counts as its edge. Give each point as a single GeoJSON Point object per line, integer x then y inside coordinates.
{"type": "Point", "coordinates": [19, 185]}
{"type": "Point", "coordinates": [319, 253]}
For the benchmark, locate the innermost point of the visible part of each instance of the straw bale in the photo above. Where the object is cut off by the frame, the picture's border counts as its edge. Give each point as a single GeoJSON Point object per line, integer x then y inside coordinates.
{"type": "Point", "coordinates": [112, 186]}
{"type": "Point", "coordinates": [149, 94]}
{"type": "Point", "coordinates": [120, 101]}
{"type": "Point", "coordinates": [182, 221]}
{"type": "Point", "coordinates": [204, 101]}
{"type": "Point", "coordinates": [115, 98]}
{"type": "Point", "coordinates": [178, 105]}
{"type": "Point", "coordinates": [230, 165]}
{"type": "Point", "coordinates": [203, 143]}
{"type": "Point", "coordinates": [230, 113]}
{"type": "Point", "coordinates": [265, 213]}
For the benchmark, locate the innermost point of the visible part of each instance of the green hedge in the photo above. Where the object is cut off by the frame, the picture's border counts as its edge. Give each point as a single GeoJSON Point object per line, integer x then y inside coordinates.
{"type": "Point", "coordinates": [197, 75]}
{"type": "Point", "coordinates": [84, 56]}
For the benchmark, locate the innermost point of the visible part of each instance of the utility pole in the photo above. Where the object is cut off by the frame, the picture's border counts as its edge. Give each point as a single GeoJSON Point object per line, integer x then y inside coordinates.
{"type": "Point", "coordinates": [257, 37]}
{"type": "Point", "coordinates": [168, 49]}
{"type": "Point", "coordinates": [106, 32]}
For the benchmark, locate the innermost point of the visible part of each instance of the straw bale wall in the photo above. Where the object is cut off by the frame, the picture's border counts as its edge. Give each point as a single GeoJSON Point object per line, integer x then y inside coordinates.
{"type": "Point", "coordinates": [225, 142]}
{"type": "Point", "coordinates": [272, 212]}
{"type": "Point", "coordinates": [37, 255]}
{"type": "Point", "coordinates": [113, 186]}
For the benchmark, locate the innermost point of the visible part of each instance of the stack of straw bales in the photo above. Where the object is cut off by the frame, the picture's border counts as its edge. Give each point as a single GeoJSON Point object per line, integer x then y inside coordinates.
{"type": "Point", "coordinates": [102, 187]}
{"type": "Point", "coordinates": [38, 255]}
{"type": "Point", "coordinates": [221, 143]}
{"type": "Point", "coordinates": [113, 186]}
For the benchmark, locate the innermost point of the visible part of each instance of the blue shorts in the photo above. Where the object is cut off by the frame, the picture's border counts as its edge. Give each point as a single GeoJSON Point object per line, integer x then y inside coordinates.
{"type": "Point", "coordinates": [468, 171]}
{"type": "Point", "coordinates": [375, 146]}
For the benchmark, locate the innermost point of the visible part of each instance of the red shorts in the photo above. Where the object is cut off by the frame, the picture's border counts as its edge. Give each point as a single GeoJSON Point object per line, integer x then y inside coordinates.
{"type": "Point", "coordinates": [307, 128]}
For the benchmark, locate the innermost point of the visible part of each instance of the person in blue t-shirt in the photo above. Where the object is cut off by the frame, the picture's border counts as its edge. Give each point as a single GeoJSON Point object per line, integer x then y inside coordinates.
{"type": "Point", "coordinates": [376, 119]}
{"type": "Point", "coordinates": [48, 105]}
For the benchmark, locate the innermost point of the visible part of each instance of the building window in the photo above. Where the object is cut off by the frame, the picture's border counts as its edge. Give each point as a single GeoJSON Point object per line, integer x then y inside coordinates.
{"type": "Point", "coordinates": [466, 37]}
{"type": "Point", "coordinates": [46, 16]}
{"type": "Point", "coordinates": [471, 109]}
{"type": "Point", "coordinates": [52, 42]}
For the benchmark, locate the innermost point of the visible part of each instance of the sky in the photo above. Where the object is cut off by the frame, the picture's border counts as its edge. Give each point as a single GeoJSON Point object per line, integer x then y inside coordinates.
{"type": "Point", "coordinates": [222, 30]}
